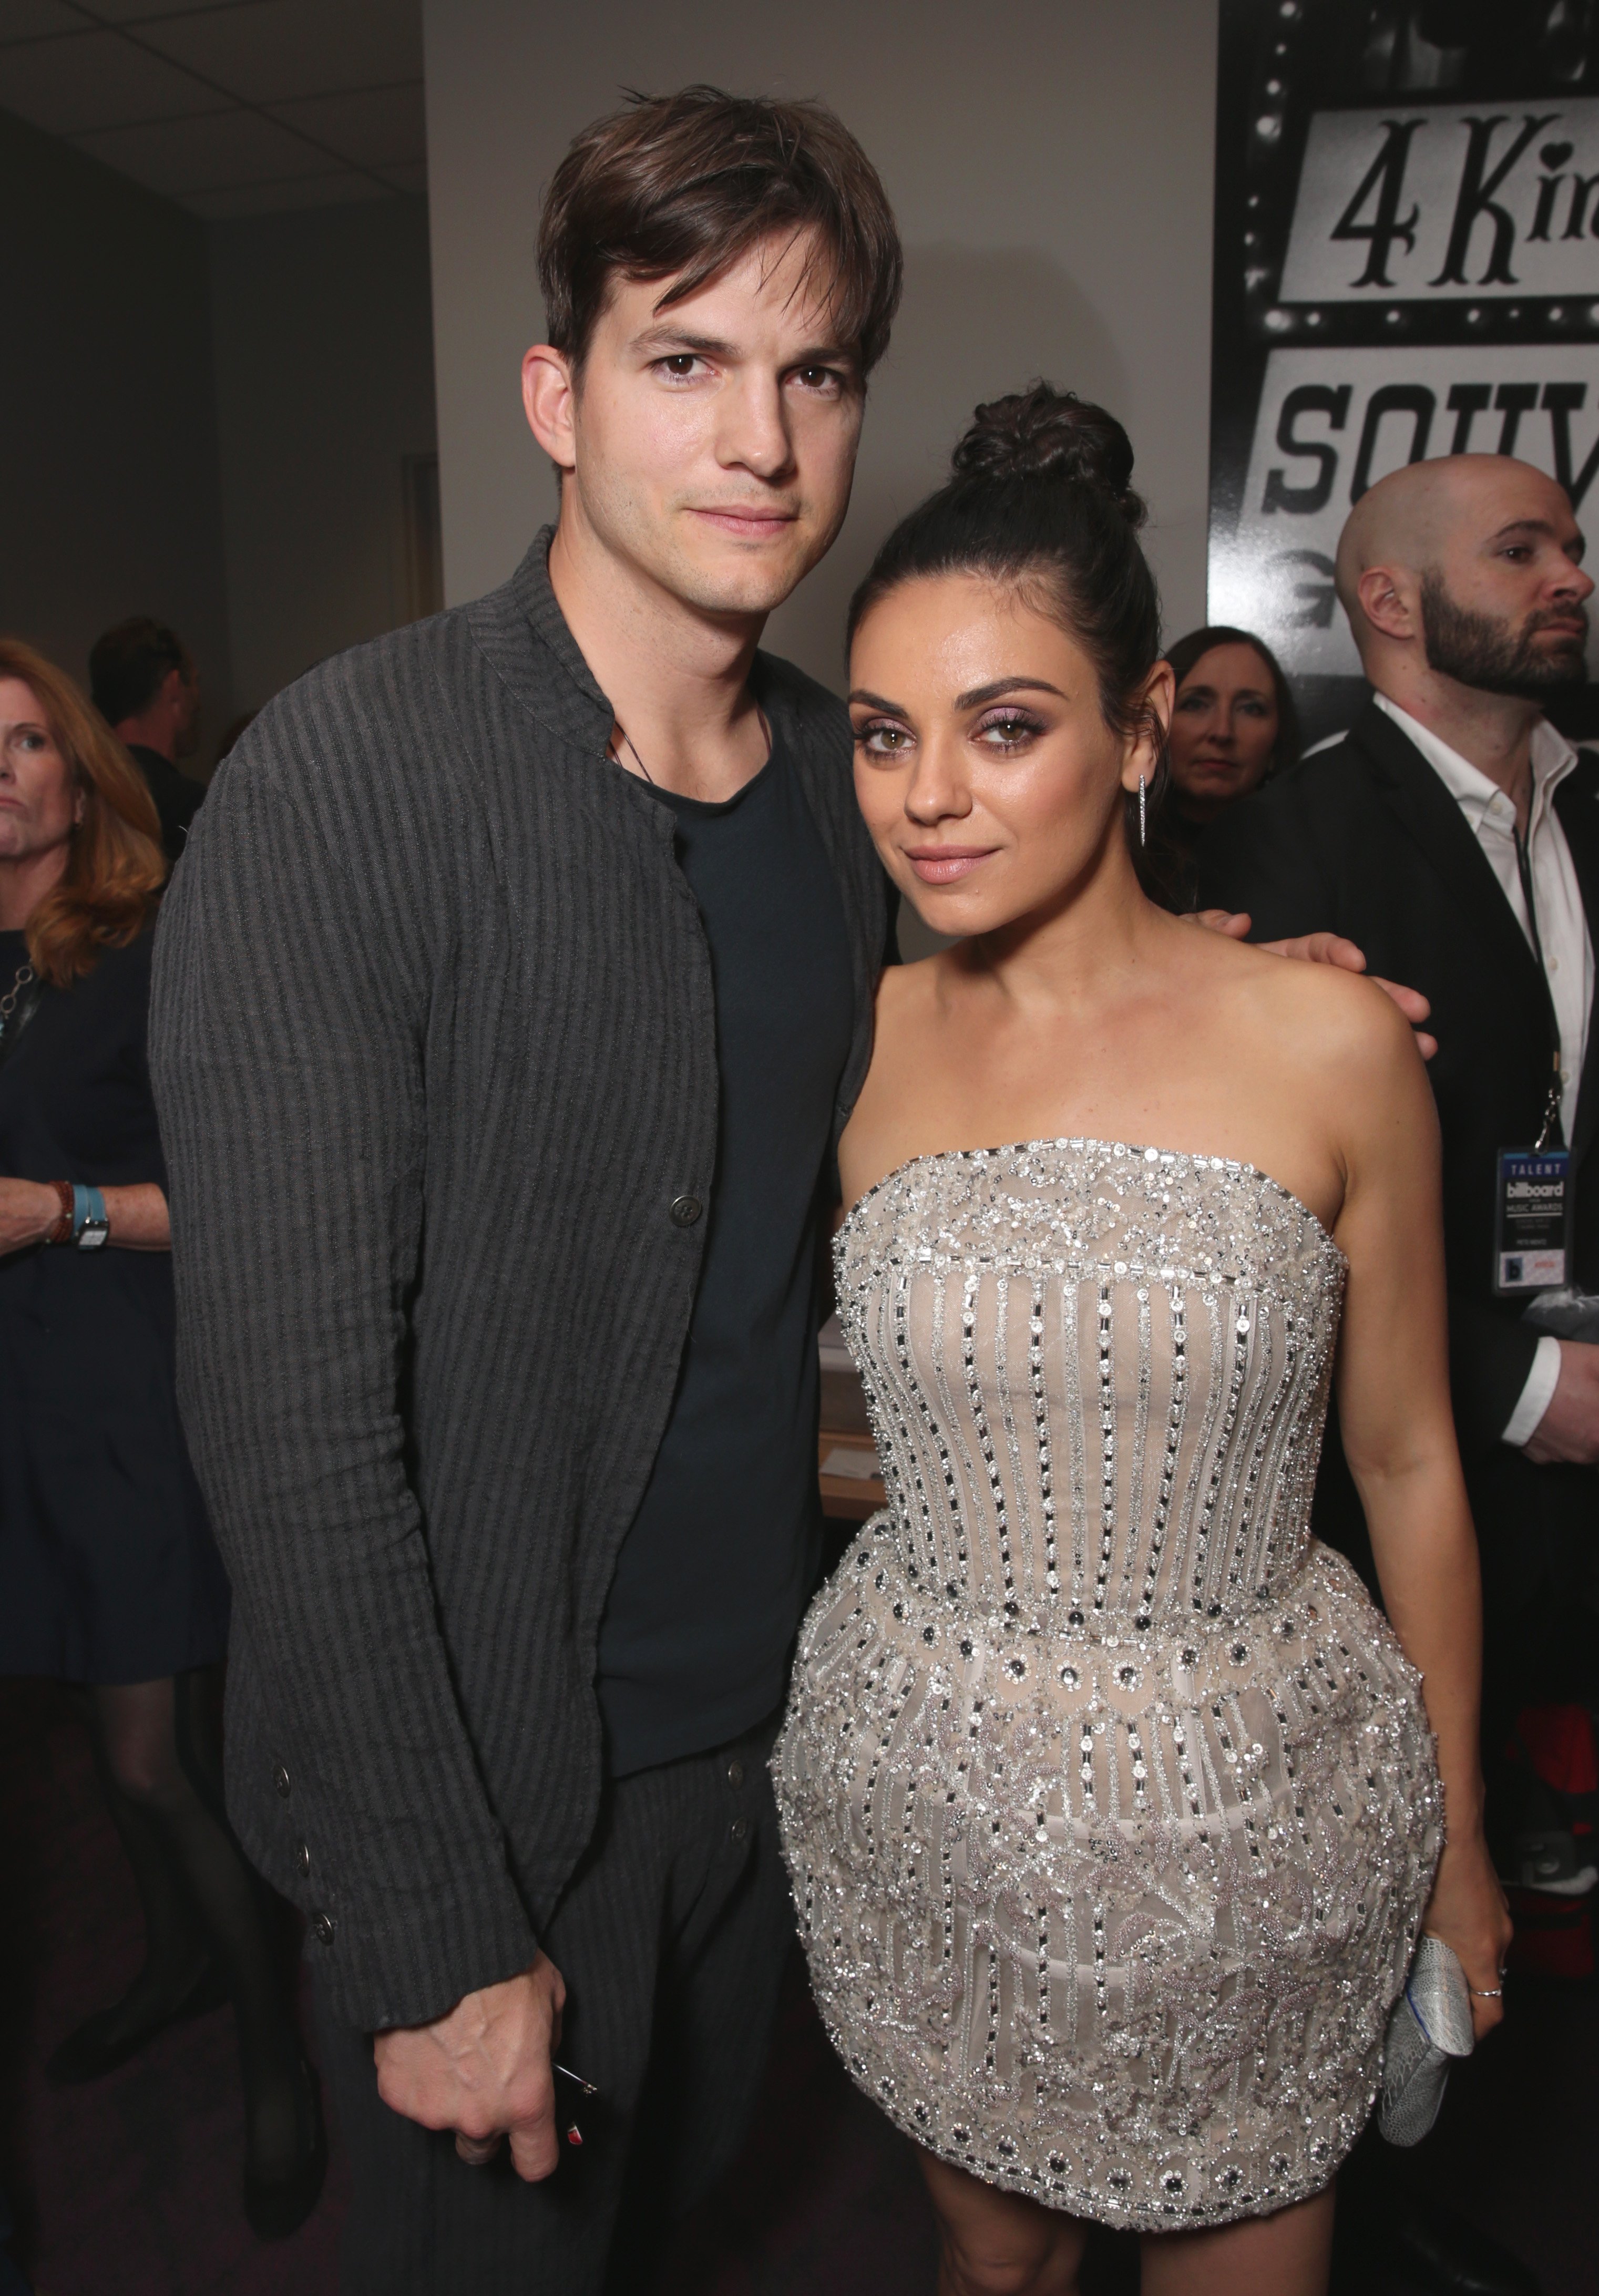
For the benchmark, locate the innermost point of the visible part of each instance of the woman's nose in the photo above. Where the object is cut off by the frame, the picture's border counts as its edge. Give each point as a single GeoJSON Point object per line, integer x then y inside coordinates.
{"type": "Point", "coordinates": [936, 793]}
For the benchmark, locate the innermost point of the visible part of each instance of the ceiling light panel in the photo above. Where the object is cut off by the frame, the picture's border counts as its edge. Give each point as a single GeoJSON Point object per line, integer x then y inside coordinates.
{"type": "Point", "coordinates": [379, 127]}
{"type": "Point", "coordinates": [94, 79]}
{"type": "Point", "coordinates": [276, 51]}
{"type": "Point", "coordinates": [181, 156]}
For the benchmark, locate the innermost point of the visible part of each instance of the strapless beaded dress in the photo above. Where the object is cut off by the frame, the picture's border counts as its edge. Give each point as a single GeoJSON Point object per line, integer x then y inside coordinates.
{"type": "Point", "coordinates": [1108, 1798]}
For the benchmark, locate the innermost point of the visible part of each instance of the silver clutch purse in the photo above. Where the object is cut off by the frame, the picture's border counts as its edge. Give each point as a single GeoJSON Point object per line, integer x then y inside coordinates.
{"type": "Point", "coordinates": [1431, 2025]}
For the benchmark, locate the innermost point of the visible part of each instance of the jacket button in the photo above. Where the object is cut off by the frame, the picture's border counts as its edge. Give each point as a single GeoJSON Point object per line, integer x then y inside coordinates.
{"type": "Point", "coordinates": [735, 1774]}
{"type": "Point", "coordinates": [738, 1829]}
{"type": "Point", "coordinates": [302, 1857]}
{"type": "Point", "coordinates": [323, 1924]}
{"type": "Point", "coordinates": [280, 1779]}
{"type": "Point", "coordinates": [685, 1210]}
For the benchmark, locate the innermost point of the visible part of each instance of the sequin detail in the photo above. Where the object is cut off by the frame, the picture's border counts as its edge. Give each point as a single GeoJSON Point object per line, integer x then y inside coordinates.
{"type": "Point", "coordinates": [1109, 1882]}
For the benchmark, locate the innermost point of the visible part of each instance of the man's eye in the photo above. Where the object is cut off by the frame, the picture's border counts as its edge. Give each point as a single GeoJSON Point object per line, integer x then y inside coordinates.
{"type": "Point", "coordinates": [679, 365]}
{"type": "Point", "coordinates": [817, 378]}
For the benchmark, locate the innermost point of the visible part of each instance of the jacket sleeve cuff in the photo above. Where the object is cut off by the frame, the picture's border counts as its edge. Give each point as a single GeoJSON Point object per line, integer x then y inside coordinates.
{"type": "Point", "coordinates": [1537, 1394]}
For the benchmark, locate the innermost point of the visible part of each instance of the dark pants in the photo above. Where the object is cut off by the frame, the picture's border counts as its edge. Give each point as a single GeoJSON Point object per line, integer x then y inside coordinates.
{"type": "Point", "coordinates": [671, 1939]}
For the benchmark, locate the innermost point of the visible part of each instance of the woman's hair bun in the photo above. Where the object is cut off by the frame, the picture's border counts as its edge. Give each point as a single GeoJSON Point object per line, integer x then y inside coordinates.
{"type": "Point", "coordinates": [1044, 433]}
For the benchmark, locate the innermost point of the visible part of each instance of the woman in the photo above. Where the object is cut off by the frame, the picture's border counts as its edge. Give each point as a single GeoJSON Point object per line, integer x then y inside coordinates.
{"type": "Point", "coordinates": [1233, 725]}
{"type": "Point", "coordinates": [1110, 1802]}
{"type": "Point", "coordinates": [108, 1574]}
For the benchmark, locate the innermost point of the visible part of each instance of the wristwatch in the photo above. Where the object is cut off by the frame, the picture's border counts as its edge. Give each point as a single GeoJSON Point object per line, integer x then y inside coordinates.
{"type": "Point", "coordinates": [91, 1222]}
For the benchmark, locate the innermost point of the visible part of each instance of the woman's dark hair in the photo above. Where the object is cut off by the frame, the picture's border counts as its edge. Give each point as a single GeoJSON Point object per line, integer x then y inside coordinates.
{"type": "Point", "coordinates": [1188, 652]}
{"type": "Point", "coordinates": [1041, 498]}
{"type": "Point", "coordinates": [677, 187]}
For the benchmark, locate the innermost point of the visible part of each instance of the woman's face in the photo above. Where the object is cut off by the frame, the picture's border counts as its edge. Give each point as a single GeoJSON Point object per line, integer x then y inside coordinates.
{"type": "Point", "coordinates": [1223, 730]}
{"type": "Point", "coordinates": [38, 804]}
{"type": "Point", "coordinates": [988, 778]}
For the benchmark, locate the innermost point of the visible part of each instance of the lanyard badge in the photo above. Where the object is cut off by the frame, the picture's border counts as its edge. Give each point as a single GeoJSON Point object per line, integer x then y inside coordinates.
{"type": "Point", "coordinates": [1533, 1198]}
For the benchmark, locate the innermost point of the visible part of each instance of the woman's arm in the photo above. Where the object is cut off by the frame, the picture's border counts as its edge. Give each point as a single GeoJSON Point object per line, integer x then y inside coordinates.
{"type": "Point", "coordinates": [1399, 1435]}
{"type": "Point", "coordinates": [29, 1209]}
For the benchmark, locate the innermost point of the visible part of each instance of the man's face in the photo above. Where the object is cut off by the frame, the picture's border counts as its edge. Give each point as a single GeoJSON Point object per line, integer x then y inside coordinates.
{"type": "Point", "coordinates": [713, 442]}
{"type": "Point", "coordinates": [1503, 606]}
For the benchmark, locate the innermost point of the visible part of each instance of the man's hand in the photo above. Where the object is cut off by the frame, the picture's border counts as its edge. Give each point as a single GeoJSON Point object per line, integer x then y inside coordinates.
{"type": "Point", "coordinates": [1567, 1432]}
{"type": "Point", "coordinates": [1326, 948]}
{"type": "Point", "coordinates": [484, 2070]}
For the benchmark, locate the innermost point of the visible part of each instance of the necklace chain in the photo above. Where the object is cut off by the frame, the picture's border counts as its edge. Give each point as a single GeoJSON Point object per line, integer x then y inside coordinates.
{"type": "Point", "coordinates": [8, 1003]}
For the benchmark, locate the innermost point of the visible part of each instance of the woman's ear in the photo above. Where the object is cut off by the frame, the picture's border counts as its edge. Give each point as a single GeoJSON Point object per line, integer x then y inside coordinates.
{"type": "Point", "coordinates": [1152, 724]}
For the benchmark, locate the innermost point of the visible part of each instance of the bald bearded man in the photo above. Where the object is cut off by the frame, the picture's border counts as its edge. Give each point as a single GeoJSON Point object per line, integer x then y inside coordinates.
{"type": "Point", "coordinates": [1421, 836]}
{"type": "Point", "coordinates": [1454, 834]}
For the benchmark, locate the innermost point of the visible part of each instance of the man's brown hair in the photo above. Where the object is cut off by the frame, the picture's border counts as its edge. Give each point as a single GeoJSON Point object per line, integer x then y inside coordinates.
{"type": "Point", "coordinates": [680, 186]}
{"type": "Point", "coordinates": [115, 865]}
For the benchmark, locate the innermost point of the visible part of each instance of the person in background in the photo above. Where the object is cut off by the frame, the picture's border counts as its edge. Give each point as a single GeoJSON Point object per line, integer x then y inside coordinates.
{"type": "Point", "coordinates": [1233, 726]}
{"type": "Point", "coordinates": [145, 685]}
{"type": "Point", "coordinates": [1454, 834]}
{"type": "Point", "coordinates": [109, 1575]}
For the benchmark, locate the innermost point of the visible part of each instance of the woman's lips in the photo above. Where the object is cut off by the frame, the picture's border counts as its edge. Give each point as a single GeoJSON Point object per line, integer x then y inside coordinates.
{"type": "Point", "coordinates": [945, 865]}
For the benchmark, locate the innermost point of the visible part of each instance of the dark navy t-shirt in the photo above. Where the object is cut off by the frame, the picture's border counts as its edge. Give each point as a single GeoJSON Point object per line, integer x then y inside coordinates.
{"type": "Point", "coordinates": [720, 1559]}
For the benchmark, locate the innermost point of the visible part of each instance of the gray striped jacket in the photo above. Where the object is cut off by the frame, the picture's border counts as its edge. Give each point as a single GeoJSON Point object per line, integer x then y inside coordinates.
{"type": "Point", "coordinates": [433, 1044]}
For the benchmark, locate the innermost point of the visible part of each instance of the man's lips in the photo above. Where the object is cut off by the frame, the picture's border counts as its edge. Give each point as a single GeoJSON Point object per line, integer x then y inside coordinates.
{"type": "Point", "coordinates": [748, 525]}
{"type": "Point", "coordinates": [945, 865]}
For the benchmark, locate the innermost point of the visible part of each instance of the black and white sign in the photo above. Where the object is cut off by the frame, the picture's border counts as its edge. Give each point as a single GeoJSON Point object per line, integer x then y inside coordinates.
{"type": "Point", "coordinates": [1407, 265]}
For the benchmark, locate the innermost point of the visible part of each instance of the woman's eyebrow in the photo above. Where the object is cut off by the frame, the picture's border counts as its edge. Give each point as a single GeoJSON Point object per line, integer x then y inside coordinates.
{"type": "Point", "coordinates": [875, 701]}
{"type": "Point", "coordinates": [979, 694]}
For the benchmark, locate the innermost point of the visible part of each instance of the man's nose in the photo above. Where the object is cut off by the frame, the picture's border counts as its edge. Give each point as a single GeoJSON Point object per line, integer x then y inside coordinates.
{"type": "Point", "coordinates": [755, 433]}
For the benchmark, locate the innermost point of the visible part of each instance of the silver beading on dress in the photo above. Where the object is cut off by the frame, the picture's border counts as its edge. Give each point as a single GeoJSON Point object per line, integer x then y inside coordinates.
{"type": "Point", "coordinates": [1108, 1797]}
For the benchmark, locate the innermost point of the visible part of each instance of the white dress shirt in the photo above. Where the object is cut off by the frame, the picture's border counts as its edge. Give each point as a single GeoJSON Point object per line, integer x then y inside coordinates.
{"type": "Point", "coordinates": [1562, 928]}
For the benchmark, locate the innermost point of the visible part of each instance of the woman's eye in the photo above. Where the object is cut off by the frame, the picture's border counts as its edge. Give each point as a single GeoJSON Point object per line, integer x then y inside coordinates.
{"type": "Point", "coordinates": [1007, 732]}
{"type": "Point", "coordinates": [1192, 702]}
{"type": "Point", "coordinates": [882, 740]}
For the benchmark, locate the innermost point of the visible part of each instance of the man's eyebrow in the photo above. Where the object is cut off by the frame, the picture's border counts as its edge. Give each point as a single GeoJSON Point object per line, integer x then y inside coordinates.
{"type": "Point", "coordinates": [979, 694]}
{"type": "Point", "coordinates": [671, 341]}
{"type": "Point", "coordinates": [1522, 526]}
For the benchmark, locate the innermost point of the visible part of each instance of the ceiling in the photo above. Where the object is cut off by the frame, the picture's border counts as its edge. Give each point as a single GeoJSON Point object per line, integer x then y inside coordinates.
{"type": "Point", "coordinates": [229, 107]}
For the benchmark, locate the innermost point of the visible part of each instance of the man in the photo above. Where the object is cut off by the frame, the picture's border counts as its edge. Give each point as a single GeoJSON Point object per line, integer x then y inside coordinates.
{"type": "Point", "coordinates": [509, 1006]}
{"type": "Point", "coordinates": [146, 686]}
{"type": "Point", "coordinates": [1454, 834]}
{"type": "Point", "coordinates": [510, 1003]}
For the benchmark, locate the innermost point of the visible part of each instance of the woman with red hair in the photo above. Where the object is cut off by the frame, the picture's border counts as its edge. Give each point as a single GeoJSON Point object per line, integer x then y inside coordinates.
{"type": "Point", "coordinates": [109, 1575]}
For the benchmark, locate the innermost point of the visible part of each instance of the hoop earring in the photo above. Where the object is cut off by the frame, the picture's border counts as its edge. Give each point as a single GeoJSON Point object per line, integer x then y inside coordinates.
{"type": "Point", "coordinates": [1142, 814]}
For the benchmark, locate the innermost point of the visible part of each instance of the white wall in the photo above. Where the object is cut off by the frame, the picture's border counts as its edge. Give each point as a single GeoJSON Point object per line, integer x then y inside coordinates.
{"type": "Point", "coordinates": [1050, 162]}
{"type": "Point", "coordinates": [109, 502]}
{"type": "Point", "coordinates": [324, 383]}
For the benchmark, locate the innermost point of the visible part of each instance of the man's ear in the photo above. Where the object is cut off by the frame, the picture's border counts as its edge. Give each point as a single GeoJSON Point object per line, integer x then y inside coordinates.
{"type": "Point", "coordinates": [550, 395]}
{"type": "Point", "coordinates": [1385, 601]}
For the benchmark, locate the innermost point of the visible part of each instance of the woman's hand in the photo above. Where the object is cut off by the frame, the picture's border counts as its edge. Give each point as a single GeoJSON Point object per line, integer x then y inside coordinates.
{"type": "Point", "coordinates": [28, 1211]}
{"type": "Point", "coordinates": [1467, 1910]}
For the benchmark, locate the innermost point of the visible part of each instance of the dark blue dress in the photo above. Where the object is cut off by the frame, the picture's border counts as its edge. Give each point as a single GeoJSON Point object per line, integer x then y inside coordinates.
{"type": "Point", "coordinates": [108, 1570]}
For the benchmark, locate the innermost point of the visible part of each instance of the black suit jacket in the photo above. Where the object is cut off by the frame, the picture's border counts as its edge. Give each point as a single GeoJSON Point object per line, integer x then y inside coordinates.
{"type": "Point", "coordinates": [1364, 839]}
{"type": "Point", "coordinates": [177, 798]}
